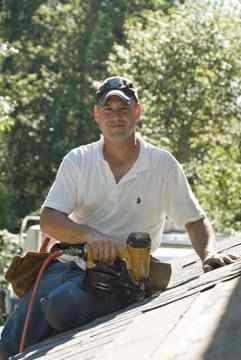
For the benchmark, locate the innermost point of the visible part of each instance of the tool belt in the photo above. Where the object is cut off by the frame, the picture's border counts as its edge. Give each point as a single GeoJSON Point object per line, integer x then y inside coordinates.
{"type": "Point", "coordinates": [110, 281]}
{"type": "Point", "coordinates": [24, 270]}
{"type": "Point", "coordinates": [113, 283]}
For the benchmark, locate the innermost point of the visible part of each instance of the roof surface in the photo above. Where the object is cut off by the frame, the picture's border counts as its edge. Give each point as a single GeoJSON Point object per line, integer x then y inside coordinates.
{"type": "Point", "coordinates": [197, 317]}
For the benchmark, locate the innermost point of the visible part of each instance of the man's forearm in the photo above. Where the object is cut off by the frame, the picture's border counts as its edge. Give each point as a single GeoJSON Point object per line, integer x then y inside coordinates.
{"type": "Point", "coordinates": [58, 225]}
{"type": "Point", "coordinates": [202, 237]}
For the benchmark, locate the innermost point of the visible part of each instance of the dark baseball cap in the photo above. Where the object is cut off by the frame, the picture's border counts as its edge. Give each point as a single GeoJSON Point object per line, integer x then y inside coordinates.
{"type": "Point", "coordinates": [116, 86]}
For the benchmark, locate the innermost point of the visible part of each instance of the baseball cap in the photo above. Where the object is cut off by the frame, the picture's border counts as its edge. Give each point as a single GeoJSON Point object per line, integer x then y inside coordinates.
{"type": "Point", "coordinates": [118, 86]}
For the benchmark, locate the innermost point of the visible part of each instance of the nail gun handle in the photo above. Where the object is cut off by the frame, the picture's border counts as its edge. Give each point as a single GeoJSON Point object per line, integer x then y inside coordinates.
{"type": "Point", "coordinates": [88, 257]}
{"type": "Point", "coordinates": [122, 253]}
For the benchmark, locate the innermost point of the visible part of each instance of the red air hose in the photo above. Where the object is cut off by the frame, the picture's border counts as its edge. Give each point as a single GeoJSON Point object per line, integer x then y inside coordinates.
{"type": "Point", "coordinates": [51, 256]}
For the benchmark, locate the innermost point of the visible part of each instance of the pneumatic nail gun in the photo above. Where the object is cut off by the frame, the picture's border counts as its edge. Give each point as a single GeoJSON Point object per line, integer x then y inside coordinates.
{"type": "Point", "coordinates": [134, 274]}
{"type": "Point", "coordinates": [128, 275]}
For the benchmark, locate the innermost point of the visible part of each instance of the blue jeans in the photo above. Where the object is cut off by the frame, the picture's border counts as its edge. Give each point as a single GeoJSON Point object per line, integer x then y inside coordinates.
{"type": "Point", "coordinates": [61, 304]}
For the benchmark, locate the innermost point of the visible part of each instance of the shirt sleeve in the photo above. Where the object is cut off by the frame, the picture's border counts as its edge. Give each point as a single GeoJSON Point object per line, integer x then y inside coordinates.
{"type": "Point", "coordinates": [62, 195]}
{"type": "Point", "coordinates": [181, 204]}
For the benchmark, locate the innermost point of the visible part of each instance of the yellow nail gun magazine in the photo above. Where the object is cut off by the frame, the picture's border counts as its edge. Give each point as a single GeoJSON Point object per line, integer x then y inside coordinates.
{"type": "Point", "coordinates": [134, 274]}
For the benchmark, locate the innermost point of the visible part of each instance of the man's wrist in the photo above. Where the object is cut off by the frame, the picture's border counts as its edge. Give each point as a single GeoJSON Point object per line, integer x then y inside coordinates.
{"type": "Point", "coordinates": [208, 252]}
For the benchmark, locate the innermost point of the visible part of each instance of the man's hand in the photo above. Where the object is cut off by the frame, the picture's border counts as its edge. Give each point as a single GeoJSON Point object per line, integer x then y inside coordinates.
{"type": "Point", "coordinates": [59, 226]}
{"type": "Point", "coordinates": [102, 247]}
{"type": "Point", "coordinates": [214, 260]}
{"type": "Point", "coordinates": [203, 241]}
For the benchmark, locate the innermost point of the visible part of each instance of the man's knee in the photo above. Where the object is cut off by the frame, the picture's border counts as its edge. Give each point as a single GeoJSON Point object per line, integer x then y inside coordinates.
{"type": "Point", "coordinates": [4, 353]}
{"type": "Point", "coordinates": [62, 311]}
{"type": "Point", "coordinates": [53, 313]}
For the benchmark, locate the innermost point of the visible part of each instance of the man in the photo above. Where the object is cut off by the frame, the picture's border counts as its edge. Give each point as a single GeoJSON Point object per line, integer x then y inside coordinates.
{"type": "Point", "coordinates": [104, 191]}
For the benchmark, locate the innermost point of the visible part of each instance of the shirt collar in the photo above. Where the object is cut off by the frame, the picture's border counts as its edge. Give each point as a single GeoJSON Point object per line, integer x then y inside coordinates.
{"type": "Point", "coordinates": [141, 163]}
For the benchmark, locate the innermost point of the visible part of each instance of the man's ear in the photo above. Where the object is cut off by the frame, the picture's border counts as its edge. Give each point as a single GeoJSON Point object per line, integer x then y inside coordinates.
{"type": "Point", "coordinates": [138, 111]}
{"type": "Point", "coordinates": [96, 114]}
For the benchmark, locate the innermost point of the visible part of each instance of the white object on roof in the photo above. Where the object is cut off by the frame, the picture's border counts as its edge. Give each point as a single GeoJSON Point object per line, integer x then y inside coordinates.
{"type": "Point", "coordinates": [176, 239]}
{"type": "Point", "coordinates": [30, 235]}
{"type": "Point", "coordinates": [171, 253]}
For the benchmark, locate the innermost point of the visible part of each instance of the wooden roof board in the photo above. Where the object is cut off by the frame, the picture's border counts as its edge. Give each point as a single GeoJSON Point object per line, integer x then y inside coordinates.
{"type": "Point", "coordinates": [146, 333]}
{"type": "Point", "coordinates": [153, 328]}
{"type": "Point", "coordinates": [210, 329]}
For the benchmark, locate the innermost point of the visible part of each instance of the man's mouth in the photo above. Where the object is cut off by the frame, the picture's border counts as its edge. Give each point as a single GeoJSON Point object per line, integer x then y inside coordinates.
{"type": "Point", "coordinates": [120, 125]}
{"type": "Point", "coordinates": [117, 124]}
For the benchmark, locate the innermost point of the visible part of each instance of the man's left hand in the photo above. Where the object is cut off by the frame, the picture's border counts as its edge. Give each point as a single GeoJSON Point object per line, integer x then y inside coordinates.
{"type": "Point", "coordinates": [215, 260]}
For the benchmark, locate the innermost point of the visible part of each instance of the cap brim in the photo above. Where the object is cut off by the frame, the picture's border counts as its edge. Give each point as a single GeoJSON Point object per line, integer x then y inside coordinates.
{"type": "Point", "coordinates": [118, 93]}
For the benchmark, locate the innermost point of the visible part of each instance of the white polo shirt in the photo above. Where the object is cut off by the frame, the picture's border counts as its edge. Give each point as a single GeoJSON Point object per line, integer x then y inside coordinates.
{"type": "Point", "coordinates": [155, 187]}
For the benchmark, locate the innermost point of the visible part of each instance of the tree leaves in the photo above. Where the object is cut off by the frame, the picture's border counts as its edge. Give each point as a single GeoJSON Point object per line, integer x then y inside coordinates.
{"type": "Point", "coordinates": [62, 47]}
{"type": "Point", "coordinates": [187, 67]}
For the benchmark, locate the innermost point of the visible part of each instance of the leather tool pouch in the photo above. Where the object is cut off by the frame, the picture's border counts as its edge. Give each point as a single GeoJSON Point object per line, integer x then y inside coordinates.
{"type": "Point", "coordinates": [24, 270]}
{"type": "Point", "coordinates": [112, 283]}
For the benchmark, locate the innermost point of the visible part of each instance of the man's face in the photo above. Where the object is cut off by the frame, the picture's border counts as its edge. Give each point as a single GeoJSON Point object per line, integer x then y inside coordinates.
{"type": "Point", "coordinates": [117, 118]}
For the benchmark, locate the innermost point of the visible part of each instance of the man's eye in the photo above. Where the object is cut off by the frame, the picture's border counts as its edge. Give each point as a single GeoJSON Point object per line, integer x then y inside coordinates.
{"type": "Point", "coordinates": [107, 111]}
{"type": "Point", "coordinates": [123, 111]}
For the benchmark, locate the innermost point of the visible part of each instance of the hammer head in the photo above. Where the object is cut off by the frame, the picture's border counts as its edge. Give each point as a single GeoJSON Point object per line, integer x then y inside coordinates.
{"type": "Point", "coordinates": [160, 274]}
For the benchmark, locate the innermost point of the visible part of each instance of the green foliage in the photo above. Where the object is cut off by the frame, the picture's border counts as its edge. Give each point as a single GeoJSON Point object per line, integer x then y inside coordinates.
{"type": "Point", "coordinates": [8, 248]}
{"type": "Point", "coordinates": [188, 69]}
{"type": "Point", "coordinates": [187, 65]}
{"type": "Point", "coordinates": [218, 185]}
{"type": "Point", "coordinates": [6, 104]}
{"type": "Point", "coordinates": [62, 51]}
{"type": "Point", "coordinates": [6, 108]}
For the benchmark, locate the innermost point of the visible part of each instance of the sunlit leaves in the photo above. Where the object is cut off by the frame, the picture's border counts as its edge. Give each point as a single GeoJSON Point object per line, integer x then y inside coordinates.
{"type": "Point", "coordinates": [62, 51]}
{"type": "Point", "coordinates": [187, 66]}
{"type": "Point", "coordinates": [6, 102]}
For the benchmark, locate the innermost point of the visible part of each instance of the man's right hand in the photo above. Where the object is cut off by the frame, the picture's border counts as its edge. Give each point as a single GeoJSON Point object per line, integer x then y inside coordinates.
{"type": "Point", "coordinates": [102, 247]}
{"type": "Point", "coordinates": [59, 226]}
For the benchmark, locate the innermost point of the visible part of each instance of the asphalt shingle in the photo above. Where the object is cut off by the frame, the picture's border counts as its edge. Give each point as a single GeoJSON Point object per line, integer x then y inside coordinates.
{"type": "Point", "coordinates": [197, 317]}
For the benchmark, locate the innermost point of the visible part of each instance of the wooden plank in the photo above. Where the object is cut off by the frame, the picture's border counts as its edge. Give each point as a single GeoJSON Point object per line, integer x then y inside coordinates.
{"type": "Point", "coordinates": [145, 333]}
{"type": "Point", "coordinates": [182, 330]}
{"type": "Point", "coordinates": [204, 333]}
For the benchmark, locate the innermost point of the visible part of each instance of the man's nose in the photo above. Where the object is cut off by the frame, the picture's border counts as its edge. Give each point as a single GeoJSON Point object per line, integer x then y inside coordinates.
{"type": "Point", "coordinates": [115, 113]}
